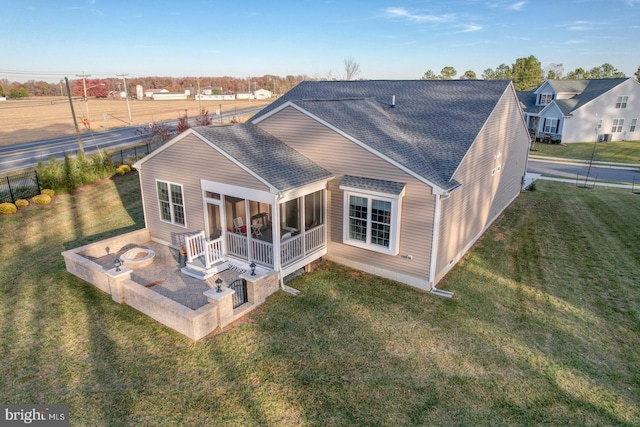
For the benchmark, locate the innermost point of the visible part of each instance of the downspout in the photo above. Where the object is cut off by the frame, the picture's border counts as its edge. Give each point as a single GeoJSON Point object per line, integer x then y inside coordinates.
{"type": "Point", "coordinates": [434, 248]}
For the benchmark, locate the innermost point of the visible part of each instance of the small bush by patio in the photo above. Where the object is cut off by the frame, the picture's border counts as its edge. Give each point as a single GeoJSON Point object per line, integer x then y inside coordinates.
{"type": "Point", "coordinates": [41, 199]}
{"type": "Point", "coordinates": [8, 208]}
{"type": "Point", "coordinates": [49, 192]}
{"type": "Point", "coordinates": [22, 203]}
{"type": "Point", "coordinates": [123, 170]}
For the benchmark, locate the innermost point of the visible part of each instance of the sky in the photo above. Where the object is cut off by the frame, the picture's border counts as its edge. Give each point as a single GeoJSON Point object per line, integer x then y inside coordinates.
{"type": "Point", "coordinates": [389, 39]}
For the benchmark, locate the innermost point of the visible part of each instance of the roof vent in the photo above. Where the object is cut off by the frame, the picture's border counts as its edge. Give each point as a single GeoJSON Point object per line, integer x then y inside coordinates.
{"type": "Point", "coordinates": [393, 101]}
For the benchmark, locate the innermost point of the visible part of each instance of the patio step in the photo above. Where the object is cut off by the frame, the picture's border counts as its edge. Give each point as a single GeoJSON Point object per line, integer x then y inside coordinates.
{"type": "Point", "coordinates": [197, 269]}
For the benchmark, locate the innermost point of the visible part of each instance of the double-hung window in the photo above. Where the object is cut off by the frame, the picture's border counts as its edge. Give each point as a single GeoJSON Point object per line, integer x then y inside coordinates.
{"type": "Point", "coordinates": [634, 124]}
{"type": "Point", "coordinates": [551, 125]}
{"type": "Point", "coordinates": [171, 202]}
{"type": "Point", "coordinates": [546, 98]}
{"type": "Point", "coordinates": [617, 125]}
{"type": "Point", "coordinates": [371, 216]}
{"type": "Point", "coordinates": [621, 102]}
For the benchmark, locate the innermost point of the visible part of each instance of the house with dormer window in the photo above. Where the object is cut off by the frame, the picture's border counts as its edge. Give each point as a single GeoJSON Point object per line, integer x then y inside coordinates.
{"type": "Point", "coordinates": [583, 110]}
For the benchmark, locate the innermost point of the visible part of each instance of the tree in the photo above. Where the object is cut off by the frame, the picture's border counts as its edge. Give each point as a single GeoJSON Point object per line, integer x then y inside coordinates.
{"type": "Point", "coordinates": [503, 72]}
{"type": "Point", "coordinates": [17, 93]}
{"type": "Point", "coordinates": [527, 73]}
{"type": "Point", "coordinates": [183, 125]}
{"type": "Point", "coordinates": [155, 132]}
{"type": "Point", "coordinates": [637, 74]}
{"type": "Point", "coordinates": [469, 75]}
{"type": "Point", "coordinates": [448, 73]}
{"type": "Point", "coordinates": [429, 75]}
{"type": "Point", "coordinates": [204, 119]}
{"type": "Point", "coordinates": [489, 74]}
{"type": "Point", "coordinates": [605, 71]}
{"type": "Point", "coordinates": [554, 71]}
{"type": "Point", "coordinates": [351, 68]}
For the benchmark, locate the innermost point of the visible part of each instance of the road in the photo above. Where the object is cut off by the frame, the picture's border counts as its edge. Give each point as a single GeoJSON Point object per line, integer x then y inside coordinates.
{"type": "Point", "coordinates": [576, 170]}
{"type": "Point", "coordinates": [24, 156]}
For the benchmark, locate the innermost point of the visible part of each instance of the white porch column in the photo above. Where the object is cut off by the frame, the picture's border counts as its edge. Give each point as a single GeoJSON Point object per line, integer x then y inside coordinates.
{"type": "Point", "coordinates": [275, 232]}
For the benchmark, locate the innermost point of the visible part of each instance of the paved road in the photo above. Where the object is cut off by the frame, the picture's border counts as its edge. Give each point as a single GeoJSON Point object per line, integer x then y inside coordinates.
{"type": "Point", "coordinates": [577, 170]}
{"type": "Point", "coordinates": [23, 156]}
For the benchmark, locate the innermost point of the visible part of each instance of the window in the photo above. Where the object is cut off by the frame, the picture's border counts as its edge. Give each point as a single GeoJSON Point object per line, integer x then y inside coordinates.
{"type": "Point", "coordinates": [600, 124]}
{"type": "Point", "coordinates": [622, 102]}
{"type": "Point", "coordinates": [171, 202]}
{"type": "Point", "coordinates": [546, 98]}
{"type": "Point", "coordinates": [551, 125]}
{"type": "Point", "coordinates": [617, 125]}
{"type": "Point", "coordinates": [634, 123]}
{"type": "Point", "coordinates": [372, 222]}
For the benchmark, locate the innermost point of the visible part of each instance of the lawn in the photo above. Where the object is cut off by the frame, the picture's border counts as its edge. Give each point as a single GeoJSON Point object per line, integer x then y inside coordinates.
{"type": "Point", "coordinates": [618, 151]}
{"type": "Point", "coordinates": [543, 329]}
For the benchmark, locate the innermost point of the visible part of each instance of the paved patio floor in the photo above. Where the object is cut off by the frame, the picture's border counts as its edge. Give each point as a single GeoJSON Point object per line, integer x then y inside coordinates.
{"type": "Point", "coordinates": [163, 276]}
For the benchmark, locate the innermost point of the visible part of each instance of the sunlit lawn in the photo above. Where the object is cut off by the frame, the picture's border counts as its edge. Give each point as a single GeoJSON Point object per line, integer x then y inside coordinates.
{"type": "Point", "coordinates": [618, 151]}
{"type": "Point", "coordinates": [543, 330]}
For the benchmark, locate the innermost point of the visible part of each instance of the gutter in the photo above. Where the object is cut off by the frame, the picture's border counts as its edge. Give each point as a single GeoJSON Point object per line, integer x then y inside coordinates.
{"type": "Point", "coordinates": [434, 249]}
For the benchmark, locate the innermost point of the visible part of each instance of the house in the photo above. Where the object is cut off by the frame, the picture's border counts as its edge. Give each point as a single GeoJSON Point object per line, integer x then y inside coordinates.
{"type": "Point", "coordinates": [150, 92]}
{"type": "Point", "coordinates": [169, 96]}
{"type": "Point", "coordinates": [582, 110]}
{"type": "Point", "coordinates": [262, 94]}
{"type": "Point", "coordinates": [395, 178]}
{"type": "Point", "coordinates": [244, 95]}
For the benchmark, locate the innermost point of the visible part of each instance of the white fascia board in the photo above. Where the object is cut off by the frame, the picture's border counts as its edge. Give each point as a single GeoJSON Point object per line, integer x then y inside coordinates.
{"type": "Point", "coordinates": [435, 188]}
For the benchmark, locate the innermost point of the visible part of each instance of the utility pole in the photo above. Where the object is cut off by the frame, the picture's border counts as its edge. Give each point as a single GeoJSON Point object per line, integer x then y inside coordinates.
{"type": "Point", "coordinates": [126, 95]}
{"type": "Point", "coordinates": [73, 114]}
{"type": "Point", "coordinates": [199, 97]}
{"type": "Point", "coordinates": [84, 86]}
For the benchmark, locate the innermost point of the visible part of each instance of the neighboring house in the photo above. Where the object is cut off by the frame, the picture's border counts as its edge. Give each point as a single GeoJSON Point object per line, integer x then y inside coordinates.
{"type": "Point", "coordinates": [169, 96]}
{"type": "Point", "coordinates": [583, 110]}
{"type": "Point", "coordinates": [396, 178]}
{"type": "Point", "coordinates": [244, 95]}
{"type": "Point", "coordinates": [150, 92]}
{"type": "Point", "coordinates": [262, 94]}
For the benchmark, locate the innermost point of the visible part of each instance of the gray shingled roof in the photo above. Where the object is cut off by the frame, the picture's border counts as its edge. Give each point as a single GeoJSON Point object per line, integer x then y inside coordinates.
{"type": "Point", "coordinates": [584, 90]}
{"type": "Point", "coordinates": [377, 185]}
{"type": "Point", "coordinates": [275, 162]}
{"type": "Point", "coordinates": [428, 131]}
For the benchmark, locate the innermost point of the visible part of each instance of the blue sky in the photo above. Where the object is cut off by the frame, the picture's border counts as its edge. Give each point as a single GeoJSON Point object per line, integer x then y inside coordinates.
{"type": "Point", "coordinates": [390, 39]}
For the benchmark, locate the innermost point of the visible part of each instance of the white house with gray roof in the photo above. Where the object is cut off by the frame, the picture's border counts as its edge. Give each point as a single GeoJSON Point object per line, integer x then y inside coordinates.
{"type": "Point", "coordinates": [583, 110]}
{"type": "Point", "coordinates": [395, 178]}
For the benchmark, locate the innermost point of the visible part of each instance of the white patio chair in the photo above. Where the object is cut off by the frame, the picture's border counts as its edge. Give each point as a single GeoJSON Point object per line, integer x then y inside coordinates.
{"type": "Point", "coordinates": [238, 225]}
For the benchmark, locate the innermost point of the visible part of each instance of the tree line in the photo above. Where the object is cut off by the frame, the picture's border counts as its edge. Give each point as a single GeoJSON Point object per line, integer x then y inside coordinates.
{"type": "Point", "coordinates": [527, 73]}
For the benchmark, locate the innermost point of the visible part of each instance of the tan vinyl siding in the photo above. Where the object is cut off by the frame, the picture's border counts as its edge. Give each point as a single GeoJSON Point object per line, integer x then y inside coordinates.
{"type": "Point", "coordinates": [343, 157]}
{"type": "Point", "coordinates": [186, 162]}
{"type": "Point", "coordinates": [503, 142]}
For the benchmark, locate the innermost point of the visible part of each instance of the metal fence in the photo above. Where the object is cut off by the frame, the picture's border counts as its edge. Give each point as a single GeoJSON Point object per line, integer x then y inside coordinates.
{"type": "Point", "coordinates": [19, 186]}
{"type": "Point", "coordinates": [240, 297]}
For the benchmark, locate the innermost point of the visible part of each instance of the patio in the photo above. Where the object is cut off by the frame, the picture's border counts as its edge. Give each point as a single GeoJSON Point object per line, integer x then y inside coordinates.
{"type": "Point", "coordinates": [160, 290]}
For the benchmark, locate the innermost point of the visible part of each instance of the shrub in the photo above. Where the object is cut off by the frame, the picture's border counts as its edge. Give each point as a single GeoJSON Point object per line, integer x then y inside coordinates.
{"type": "Point", "coordinates": [51, 173]}
{"type": "Point", "coordinates": [126, 168]}
{"type": "Point", "coordinates": [41, 199]}
{"type": "Point", "coordinates": [531, 187]}
{"type": "Point", "coordinates": [120, 171]}
{"type": "Point", "coordinates": [8, 208]}
{"type": "Point", "coordinates": [123, 170]}
{"type": "Point", "coordinates": [22, 203]}
{"type": "Point", "coordinates": [49, 192]}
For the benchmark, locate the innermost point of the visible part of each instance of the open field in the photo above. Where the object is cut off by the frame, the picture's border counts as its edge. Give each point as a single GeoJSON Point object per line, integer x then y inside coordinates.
{"type": "Point", "coordinates": [34, 119]}
{"type": "Point", "coordinates": [618, 151]}
{"type": "Point", "coordinates": [543, 329]}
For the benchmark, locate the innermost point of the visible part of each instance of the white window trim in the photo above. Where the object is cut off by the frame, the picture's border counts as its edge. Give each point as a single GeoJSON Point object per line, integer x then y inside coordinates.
{"type": "Point", "coordinates": [394, 232]}
{"type": "Point", "coordinates": [184, 210]}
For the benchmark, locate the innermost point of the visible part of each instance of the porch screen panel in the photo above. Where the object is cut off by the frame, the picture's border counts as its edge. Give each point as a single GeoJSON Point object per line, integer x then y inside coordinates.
{"type": "Point", "coordinates": [358, 218]}
{"type": "Point", "coordinates": [380, 222]}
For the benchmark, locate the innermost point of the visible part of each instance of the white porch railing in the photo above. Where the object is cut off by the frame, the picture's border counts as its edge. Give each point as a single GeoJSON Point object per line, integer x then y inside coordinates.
{"type": "Point", "coordinates": [262, 252]}
{"type": "Point", "coordinates": [291, 249]}
{"type": "Point", "coordinates": [237, 245]}
{"type": "Point", "coordinates": [197, 245]}
{"type": "Point", "coordinates": [314, 238]}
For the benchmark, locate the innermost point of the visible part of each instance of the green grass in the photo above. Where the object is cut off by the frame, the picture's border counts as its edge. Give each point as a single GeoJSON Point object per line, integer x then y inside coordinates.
{"type": "Point", "coordinates": [619, 151]}
{"type": "Point", "coordinates": [543, 329]}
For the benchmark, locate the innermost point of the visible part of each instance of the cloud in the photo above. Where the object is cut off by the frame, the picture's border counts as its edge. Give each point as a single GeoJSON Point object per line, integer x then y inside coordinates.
{"type": "Point", "coordinates": [583, 25]}
{"type": "Point", "coordinates": [398, 12]}
{"type": "Point", "coordinates": [517, 6]}
{"type": "Point", "coordinates": [469, 28]}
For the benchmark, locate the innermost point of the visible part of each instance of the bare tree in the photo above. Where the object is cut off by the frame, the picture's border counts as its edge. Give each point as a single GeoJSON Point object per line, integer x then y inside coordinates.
{"type": "Point", "coordinates": [351, 68]}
